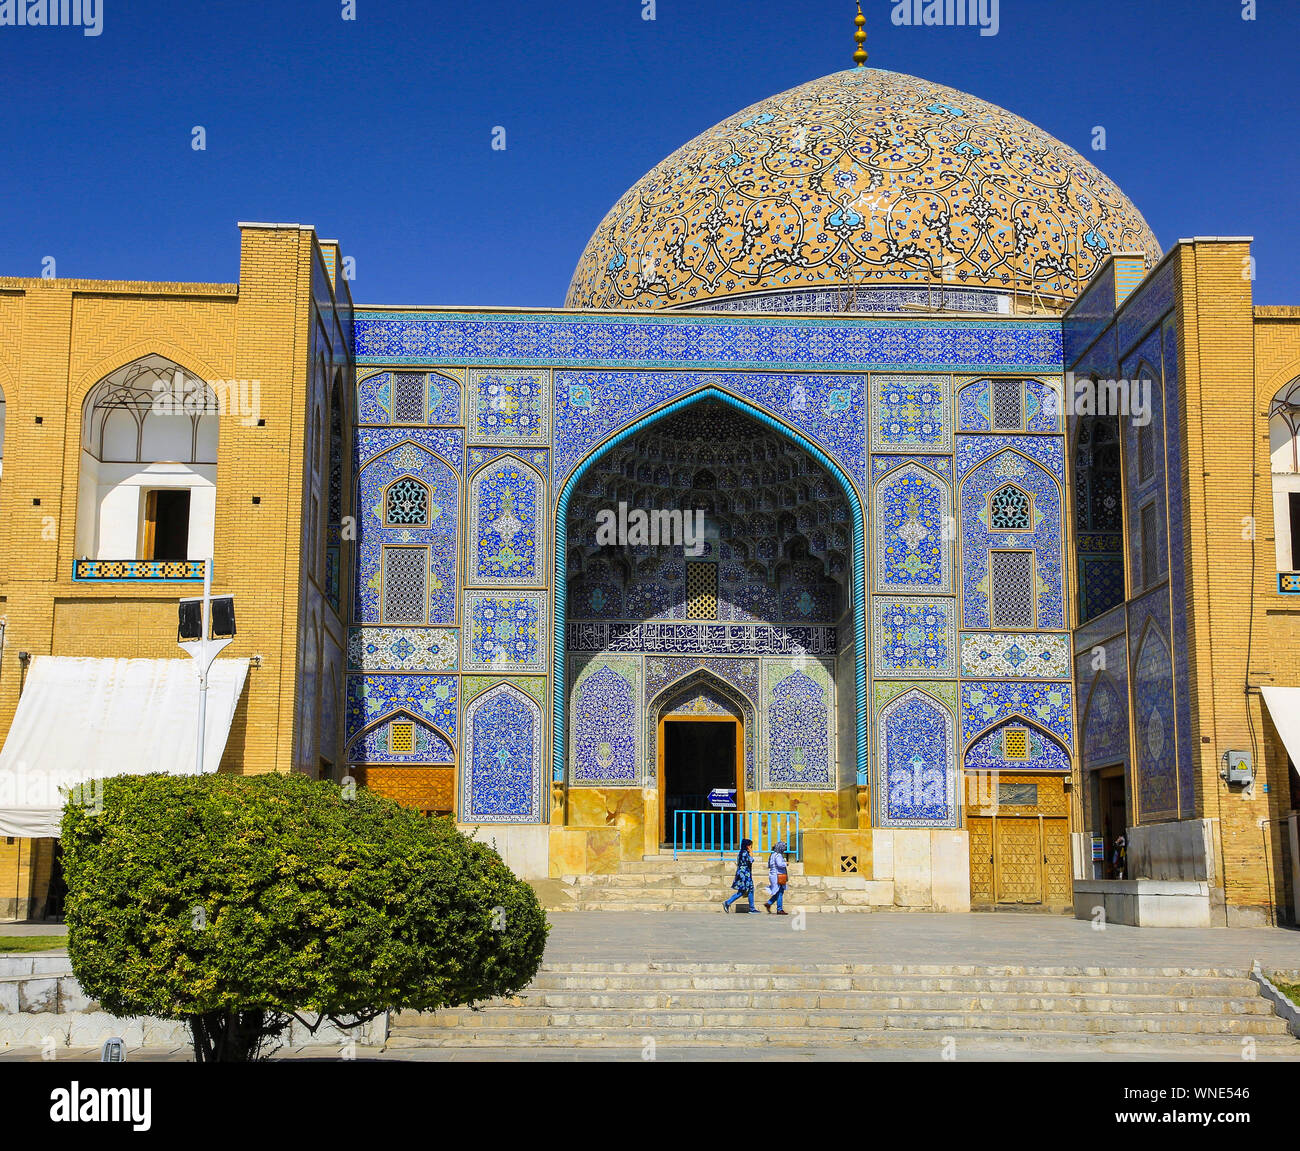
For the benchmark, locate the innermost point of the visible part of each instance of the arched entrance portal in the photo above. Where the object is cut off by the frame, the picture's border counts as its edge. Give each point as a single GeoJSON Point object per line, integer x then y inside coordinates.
{"type": "Point", "coordinates": [710, 541]}
{"type": "Point", "coordinates": [704, 733]}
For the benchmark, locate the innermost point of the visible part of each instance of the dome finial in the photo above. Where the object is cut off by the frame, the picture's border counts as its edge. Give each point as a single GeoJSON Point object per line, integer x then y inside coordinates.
{"type": "Point", "coordinates": [860, 56]}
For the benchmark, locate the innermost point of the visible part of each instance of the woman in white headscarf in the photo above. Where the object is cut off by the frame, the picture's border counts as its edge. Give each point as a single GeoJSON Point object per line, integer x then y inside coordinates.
{"type": "Point", "coordinates": [777, 877]}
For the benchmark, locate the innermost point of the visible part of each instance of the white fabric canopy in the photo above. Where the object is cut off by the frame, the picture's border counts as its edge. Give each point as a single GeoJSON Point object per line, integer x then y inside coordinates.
{"type": "Point", "coordinates": [1284, 707]}
{"type": "Point", "coordinates": [80, 719]}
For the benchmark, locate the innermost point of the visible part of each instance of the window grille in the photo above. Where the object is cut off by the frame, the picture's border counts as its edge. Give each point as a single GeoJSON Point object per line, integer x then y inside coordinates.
{"type": "Point", "coordinates": [401, 738]}
{"type": "Point", "coordinates": [1011, 576]}
{"type": "Point", "coordinates": [1015, 743]}
{"type": "Point", "coordinates": [408, 398]}
{"type": "Point", "coordinates": [405, 585]}
{"type": "Point", "coordinates": [1008, 414]}
{"type": "Point", "coordinates": [701, 591]}
{"type": "Point", "coordinates": [1010, 510]}
{"type": "Point", "coordinates": [406, 504]}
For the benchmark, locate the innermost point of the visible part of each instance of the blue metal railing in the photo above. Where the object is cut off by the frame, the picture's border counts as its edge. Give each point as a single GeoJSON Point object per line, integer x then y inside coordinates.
{"type": "Point", "coordinates": [721, 832]}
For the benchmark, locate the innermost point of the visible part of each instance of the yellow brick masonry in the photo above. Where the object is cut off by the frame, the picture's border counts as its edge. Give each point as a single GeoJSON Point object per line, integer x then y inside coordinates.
{"type": "Point", "coordinates": [58, 338]}
{"type": "Point", "coordinates": [1241, 631]}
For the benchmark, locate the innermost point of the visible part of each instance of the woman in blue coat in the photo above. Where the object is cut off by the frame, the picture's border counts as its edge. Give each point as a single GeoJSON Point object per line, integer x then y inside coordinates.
{"type": "Point", "coordinates": [744, 881]}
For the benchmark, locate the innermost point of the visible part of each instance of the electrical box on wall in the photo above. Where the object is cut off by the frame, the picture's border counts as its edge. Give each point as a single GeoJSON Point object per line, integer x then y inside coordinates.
{"type": "Point", "coordinates": [1238, 768]}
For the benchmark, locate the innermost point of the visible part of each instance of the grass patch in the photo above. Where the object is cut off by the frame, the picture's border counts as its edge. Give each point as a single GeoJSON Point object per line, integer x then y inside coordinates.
{"type": "Point", "coordinates": [21, 944]}
{"type": "Point", "coordinates": [1290, 990]}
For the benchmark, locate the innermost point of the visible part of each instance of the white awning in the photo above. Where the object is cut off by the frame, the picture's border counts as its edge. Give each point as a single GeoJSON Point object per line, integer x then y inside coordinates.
{"type": "Point", "coordinates": [1284, 707]}
{"type": "Point", "coordinates": [80, 719]}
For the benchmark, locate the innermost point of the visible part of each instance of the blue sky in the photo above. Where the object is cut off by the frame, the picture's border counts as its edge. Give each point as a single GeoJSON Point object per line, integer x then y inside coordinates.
{"type": "Point", "coordinates": [378, 130]}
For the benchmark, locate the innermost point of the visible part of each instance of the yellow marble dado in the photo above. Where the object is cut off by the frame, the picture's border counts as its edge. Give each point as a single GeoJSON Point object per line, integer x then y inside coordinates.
{"type": "Point", "coordinates": [837, 852]}
{"type": "Point", "coordinates": [625, 810]}
{"type": "Point", "coordinates": [584, 851]}
{"type": "Point", "coordinates": [815, 808]}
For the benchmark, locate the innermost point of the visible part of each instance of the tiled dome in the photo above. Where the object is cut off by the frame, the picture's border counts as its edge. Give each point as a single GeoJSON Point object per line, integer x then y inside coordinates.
{"type": "Point", "coordinates": [859, 181]}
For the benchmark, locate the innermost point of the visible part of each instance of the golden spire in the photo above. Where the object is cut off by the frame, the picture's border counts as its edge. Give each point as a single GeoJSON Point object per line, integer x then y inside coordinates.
{"type": "Point", "coordinates": [860, 56]}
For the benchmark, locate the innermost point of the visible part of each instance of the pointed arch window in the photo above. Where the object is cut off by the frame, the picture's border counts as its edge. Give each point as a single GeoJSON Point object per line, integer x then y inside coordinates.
{"type": "Point", "coordinates": [1011, 509]}
{"type": "Point", "coordinates": [406, 504]}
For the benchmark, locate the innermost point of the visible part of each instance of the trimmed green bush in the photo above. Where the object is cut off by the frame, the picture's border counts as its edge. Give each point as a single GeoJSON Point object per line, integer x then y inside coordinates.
{"type": "Point", "coordinates": [237, 903]}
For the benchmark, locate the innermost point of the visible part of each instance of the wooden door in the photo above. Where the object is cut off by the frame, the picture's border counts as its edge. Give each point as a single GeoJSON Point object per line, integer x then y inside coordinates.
{"type": "Point", "coordinates": [1056, 862]}
{"type": "Point", "coordinates": [1018, 859]}
{"type": "Point", "coordinates": [981, 860]}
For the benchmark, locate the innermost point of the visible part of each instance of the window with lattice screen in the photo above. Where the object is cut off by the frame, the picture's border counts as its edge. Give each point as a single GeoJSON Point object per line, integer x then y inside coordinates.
{"type": "Point", "coordinates": [1150, 545]}
{"type": "Point", "coordinates": [1010, 510]}
{"type": "Point", "coordinates": [1146, 452]}
{"type": "Point", "coordinates": [401, 738]}
{"type": "Point", "coordinates": [1006, 405]}
{"type": "Point", "coordinates": [1015, 743]}
{"type": "Point", "coordinates": [1011, 584]}
{"type": "Point", "coordinates": [701, 591]}
{"type": "Point", "coordinates": [406, 504]}
{"type": "Point", "coordinates": [405, 585]}
{"type": "Point", "coordinates": [408, 397]}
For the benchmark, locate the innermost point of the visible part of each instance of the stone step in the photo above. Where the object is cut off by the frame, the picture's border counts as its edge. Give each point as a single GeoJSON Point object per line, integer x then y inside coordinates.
{"type": "Point", "coordinates": [878, 1001]}
{"type": "Point", "coordinates": [793, 1037]}
{"type": "Point", "coordinates": [821, 906]}
{"type": "Point", "coordinates": [1053, 986]}
{"type": "Point", "coordinates": [658, 1020]}
{"type": "Point", "coordinates": [710, 899]}
{"type": "Point", "coordinates": [818, 970]}
{"type": "Point", "coordinates": [697, 865]}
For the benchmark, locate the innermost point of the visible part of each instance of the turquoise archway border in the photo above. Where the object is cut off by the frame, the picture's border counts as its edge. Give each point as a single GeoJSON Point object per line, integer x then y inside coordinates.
{"type": "Point", "coordinates": [559, 685]}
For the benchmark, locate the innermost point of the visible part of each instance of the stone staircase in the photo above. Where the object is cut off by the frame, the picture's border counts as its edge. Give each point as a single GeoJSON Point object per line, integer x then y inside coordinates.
{"type": "Point", "coordinates": [950, 1011]}
{"type": "Point", "coordinates": [701, 883]}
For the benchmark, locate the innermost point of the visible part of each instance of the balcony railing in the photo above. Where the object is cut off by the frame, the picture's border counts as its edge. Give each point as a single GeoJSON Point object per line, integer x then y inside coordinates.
{"type": "Point", "coordinates": [138, 571]}
{"type": "Point", "coordinates": [720, 832]}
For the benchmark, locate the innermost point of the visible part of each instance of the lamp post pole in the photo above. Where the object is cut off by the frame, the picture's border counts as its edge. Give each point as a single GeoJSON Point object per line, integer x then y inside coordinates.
{"type": "Point", "coordinates": [204, 650]}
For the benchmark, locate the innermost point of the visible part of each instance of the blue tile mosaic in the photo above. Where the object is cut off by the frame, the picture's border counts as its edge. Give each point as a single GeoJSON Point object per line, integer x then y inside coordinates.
{"type": "Point", "coordinates": [914, 529]}
{"type": "Point", "coordinates": [913, 638]}
{"type": "Point", "coordinates": [1041, 752]}
{"type": "Point", "coordinates": [911, 413]}
{"type": "Point", "coordinates": [503, 758]}
{"type": "Point", "coordinates": [985, 526]}
{"type": "Point", "coordinates": [916, 758]}
{"type": "Point", "coordinates": [592, 406]}
{"type": "Point", "coordinates": [798, 726]}
{"type": "Point", "coordinates": [749, 342]}
{"type": "Point", "coordinates": [432, 698]}
{"type": "Point", "coordinates": [984, 703]}
{"type": "Point", "coordinates": [435, 529]}
{"type": "Point", "coordinates": [508, 512]}
{"type": "Point", "coordinates": [506, 632]}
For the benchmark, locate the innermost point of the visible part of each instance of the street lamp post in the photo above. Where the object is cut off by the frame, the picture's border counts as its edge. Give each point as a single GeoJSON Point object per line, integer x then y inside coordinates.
{"type": "Point", "coordinates": [202, 637]}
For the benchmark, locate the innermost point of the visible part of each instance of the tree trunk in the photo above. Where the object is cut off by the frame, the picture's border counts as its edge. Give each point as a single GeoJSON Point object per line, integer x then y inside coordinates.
{"type": "Point", "coordinates": [232, 1036]}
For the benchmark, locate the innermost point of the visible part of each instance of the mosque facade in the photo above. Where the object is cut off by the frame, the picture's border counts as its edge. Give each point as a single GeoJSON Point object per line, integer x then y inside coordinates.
{"type": "Point", "coordinates": [792, 507]}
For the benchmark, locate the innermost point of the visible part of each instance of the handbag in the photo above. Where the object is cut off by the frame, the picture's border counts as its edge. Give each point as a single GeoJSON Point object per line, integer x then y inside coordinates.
{"type": "Point", "coordinates": [782, 880]}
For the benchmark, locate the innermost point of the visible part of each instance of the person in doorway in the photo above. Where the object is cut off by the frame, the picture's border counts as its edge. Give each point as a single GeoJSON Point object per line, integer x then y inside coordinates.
{"type": "Point", "coordinates": [744, 881]}
{"type": "Point", "coordinates": [1120, 858]}
{"type": "Point", "coordinates": [777, 878]}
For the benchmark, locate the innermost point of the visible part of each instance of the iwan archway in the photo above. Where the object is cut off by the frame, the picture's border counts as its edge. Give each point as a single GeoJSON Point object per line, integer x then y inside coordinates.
{"type": "Point", "coordinates": [763, 589]}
